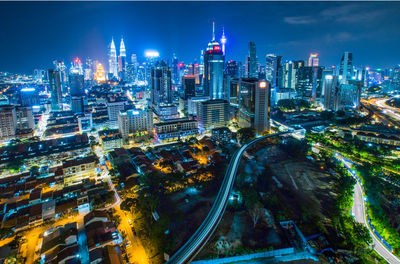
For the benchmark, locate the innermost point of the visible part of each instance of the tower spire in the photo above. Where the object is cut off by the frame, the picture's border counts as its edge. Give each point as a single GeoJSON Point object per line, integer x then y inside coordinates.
{"type": "Point", "coordinates": [213, 34]}
{"type": "Point", "coordinates": [122, 49]}
{"type": "Point", "coordinates": [223, 40]}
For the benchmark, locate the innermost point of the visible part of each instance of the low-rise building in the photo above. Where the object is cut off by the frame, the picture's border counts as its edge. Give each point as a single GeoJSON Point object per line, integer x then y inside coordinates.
{"type": "Point", "coordinates": [222, 134]}
{"type": "Point", "coordinates": [111, 142]}
{"type": "Point", "coordinates": [77, 170]}
{"type": "Point", "coordinates": [371, 135]}
{"type": "Point", "coordinates": [176, 128]}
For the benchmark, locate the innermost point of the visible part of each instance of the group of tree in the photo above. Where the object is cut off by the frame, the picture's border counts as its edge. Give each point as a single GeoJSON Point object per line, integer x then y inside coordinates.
{"type": "Point", "coordinates": [293, 104]}
{"type": "Point", "coordinates": [244, 135]}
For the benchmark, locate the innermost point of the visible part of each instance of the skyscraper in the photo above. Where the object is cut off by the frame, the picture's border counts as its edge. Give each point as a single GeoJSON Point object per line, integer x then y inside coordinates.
{"type": "Point", "coordinates": [346, 67]}
{"type": "Point", "coordinates": [213, 114]}
{"type": "Point", "coordinates": [288, 72]}
{"type": "Point", "coordinates": [122, 60]}
{"type": "Point", "coordinates": [76, 83]}
{"type": "Point", "coordinates": [189, 86]}
{"type": "Point", "coordinates": [395, 79]}
{"type": "Point", "coordinates": [175, 74]}
{"type": "Point", "coordinates": [112, 60]}
{"type": "Point", "coordinates": [252, 61]}
{"type": "Point", "coordinates": [55, 90]}
{"type": "Point", "coordinates": [232, 69]}
{"type": "Point", "coordinates": [313, 60]}
{"type": "Point", "coordinates": [62, 69]}
{"type": "Point", "coordinates": [213, 77]}
{"type": "Point", "coordinates": [161, 89]}
{"type": "Point", "coordinates": [253, 97]}
{"type": "Point", "coordinates": [331, 91]}
{"type": "Point", "coordinates": [8, 121]}
{"type": "Point", "coordinates": [271, 69]}
{"type": "Point", "coordinates": [308, 82]}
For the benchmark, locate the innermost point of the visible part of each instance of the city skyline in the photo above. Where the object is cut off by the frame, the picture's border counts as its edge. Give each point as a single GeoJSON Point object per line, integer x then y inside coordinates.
{"type": "Point", "coordinates": [86, 29]}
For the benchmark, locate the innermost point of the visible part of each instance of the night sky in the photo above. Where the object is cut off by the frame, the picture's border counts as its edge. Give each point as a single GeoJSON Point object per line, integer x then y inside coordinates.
{"type": "Point", "coordinates": [33, 34]}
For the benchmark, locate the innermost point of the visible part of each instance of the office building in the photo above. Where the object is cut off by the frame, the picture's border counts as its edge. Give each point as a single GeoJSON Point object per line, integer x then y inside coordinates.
{"type": "Point", "coordinates": [395, 79]}
{"type": "Point", "coordinates": [114, 107]}
{"type": "Point", "coordinates": [271, 69]}
{"type": "Point", "coordinates": [135, 120]}
{"type": "Point", "coordinates": [346, 70]}
{"type": "Point", "coordinates": [213, 77]}
{"type": "Point", "coordinates": [76, 83]}
{"type": "Point", "coordinates": [232, 69]}
{"type": "Point", "coordinates": [308, 84]}
{"type": "Point", "coordinates": [254, 103]}
{"type": "Point", "coordinates": [77, 104]}
{"type": "Point", "coordinates": [8, 121]}
{"type": "Point", "coordinates": [161, 86]}
{"type": "Point", "coordinates": [29, 97]}
{"type": "Point", "coordinates": [55, 90]}
{"type": "Point", "coordinates": [189, 86]}
{"type": "Point", "coordinates": [350, 95]}
{"type": "Point", "coordinates": [252, 61]}
{"type": "Point", "coordinates": [25, 118]}
{"type": "Point", "coordinates": [313, 60]}
{"type": "Point", "coordinates": [213, 114]}
{"type": "Point", "coordinates": [193, 103]}
{"type": "Point", "coordinates": [288, 74]}
{"type": "Point", "coordinates": [331, 90]}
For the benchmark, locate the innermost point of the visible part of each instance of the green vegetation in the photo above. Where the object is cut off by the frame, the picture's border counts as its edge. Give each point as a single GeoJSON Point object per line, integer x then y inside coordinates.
{"type": "Point", "coordinates": [377, 193]}
{"type": "Point", "coordinates": [287, 105]}
{"type": "Point", "coordinates": [246, 135]}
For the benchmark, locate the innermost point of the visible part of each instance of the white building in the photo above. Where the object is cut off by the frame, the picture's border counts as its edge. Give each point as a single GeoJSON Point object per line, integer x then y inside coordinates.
{"type": "Point", "coordinates": [135, 120]}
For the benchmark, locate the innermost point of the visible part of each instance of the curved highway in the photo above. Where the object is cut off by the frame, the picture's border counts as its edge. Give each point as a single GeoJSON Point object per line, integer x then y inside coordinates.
{"type": "Point", "coordinates": [193, 246]}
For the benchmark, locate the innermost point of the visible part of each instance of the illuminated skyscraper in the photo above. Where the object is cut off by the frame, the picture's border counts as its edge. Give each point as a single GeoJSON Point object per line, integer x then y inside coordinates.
{"type": "Point", "coordinates": [213, 76]}
{"type": "Point", "coordinates": [76, 83]}
{"type": "Point", "coordinates": [122, 59]}
{"type": "Point", "coordinates": [313, 60]}
{"type": "Point", "coordinates": [252, 61]}
{"type": "Point", "coordinates": [346, 67]}
{"type": "Point", "coordinates": [77, 66]}
{"type": "Point", "coordinates": [112, 60]}
{"type": "Point", "coordinates": [99, 75]}
{"type": "Point", "coordinates": [175, 74]}
{"type": "Point", "coordinates": [254, 103]}
{"type": "Point", "coordinates": [223, 41]}
{"type": "Point", "coordinates": [62, 69]}
{"type": "Point", "coordinates": [55, 90]}
{"type": "Point", "coordinates": [161, 89]}
{"type": "Point", "coordinates": [271, 69]}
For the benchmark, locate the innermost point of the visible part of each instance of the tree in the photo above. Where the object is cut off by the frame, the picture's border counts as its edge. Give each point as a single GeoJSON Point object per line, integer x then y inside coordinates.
{"type": "Point", "coordinates": [256, 212]}
{"type": "Point", "coordinates": [246, 134]}
{"type": "Point", "coordinates": [362, 233]}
